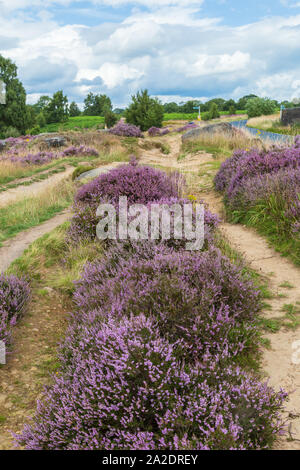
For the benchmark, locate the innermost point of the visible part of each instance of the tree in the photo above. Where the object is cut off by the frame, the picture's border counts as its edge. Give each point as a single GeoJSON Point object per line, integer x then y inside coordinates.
{"type": "Point", "coordinates": [110, 119]}
{"type": "Point", "coordinates": [42, 103]}
{"type": "Point", "coordinates": [213, 111]}
{"type": "Point", "coordinates": [74, 109]}
{"type": "Point", "coordinates": [118, 111]}
{"type": "Point", "coordinates": [14, 113]}
{"type": "Point", "coordinates": [57, 109]}
{"type": "Point", "coordinates": [41, 120]}
{"type": "Point", "coordinates": [229, 105]}
{"type": "Point", "coordinates": [145, 111]}
{"type": "Point", "coordinates": [171, 107]}
{"type": "Point", "coordinates": [97, 105]}
{"type": "Point", "coordinates": [260, 107]}
{"type": "Point", "coordinates": [242, 103]}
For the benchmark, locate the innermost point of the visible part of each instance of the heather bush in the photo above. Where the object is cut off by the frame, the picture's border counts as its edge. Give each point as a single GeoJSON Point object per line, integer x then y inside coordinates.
{"type": "Point", "coordinates": [186, 127]}
{"type": "Point", "coordinates": [246, 164]}
{"type": "Point", "coordinates": [84, 222]}
{"type": "Point", "coordinates": [121, 388]}
{"type": "Point", "coordinates": [154, 131]}
{"type": "Point", "coordinates": [141, 184]}
{"type": "Point", "coordinates": [201, 302]}
{"type": "Point", "coordinates": [14, 296]}
{"type": "Point", "coordinates": [262, 189]}
{"type": "Point", "coordinates": [126, 130]}
{"type": "Point", "coordinates": [82, 150]}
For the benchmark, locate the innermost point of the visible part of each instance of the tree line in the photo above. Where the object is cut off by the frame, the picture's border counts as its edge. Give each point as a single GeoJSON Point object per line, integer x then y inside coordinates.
{"type": "Point", "coordinates": [17, 117]}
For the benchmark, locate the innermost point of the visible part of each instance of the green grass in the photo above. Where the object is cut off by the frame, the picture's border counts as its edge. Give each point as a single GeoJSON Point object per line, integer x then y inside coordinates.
{"type": "Point", "coordinates": [48, 252]}
{"type": "Point", "coordinates": [278, 128]}
{"type": "Point", "coordinates": [268, 217]}
{"type": "Point", "coordinates": [32, 211]}
{"type": "Point", "coordinates": [192, 116]}
{"type": "Point", "coordinates": [80, 122]}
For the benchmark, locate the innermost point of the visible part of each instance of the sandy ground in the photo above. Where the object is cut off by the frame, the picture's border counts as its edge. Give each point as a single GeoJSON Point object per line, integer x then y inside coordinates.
{"type": "Point", "coordinates": [14, 247]}
{"type": "Point", "coordinates": [18, 193]}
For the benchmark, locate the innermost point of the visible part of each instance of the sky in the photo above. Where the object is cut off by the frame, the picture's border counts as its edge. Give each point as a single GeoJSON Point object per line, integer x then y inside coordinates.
{"type": "Point", "coordinates": [177, 49]}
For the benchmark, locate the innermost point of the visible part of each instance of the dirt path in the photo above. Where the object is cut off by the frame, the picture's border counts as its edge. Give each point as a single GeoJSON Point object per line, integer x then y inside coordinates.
{"type": "Point", "coordinates": [14, 247]}
{"type": "Point", "coordinates": [18, 193]}
{"type": "Point", "coordinates": [278, 362]}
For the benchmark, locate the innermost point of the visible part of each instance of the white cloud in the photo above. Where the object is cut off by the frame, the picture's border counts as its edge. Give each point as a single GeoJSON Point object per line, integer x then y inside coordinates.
{"type": "Point", "coordinates": [174, 51]}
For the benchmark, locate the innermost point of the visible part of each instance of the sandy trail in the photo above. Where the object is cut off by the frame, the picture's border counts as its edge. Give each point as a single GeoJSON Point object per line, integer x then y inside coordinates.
{"type": "Point", "coordinates": [278, 362]}
{"type": "Point", "coordinates": [18, 193]}
{"type": "Point", "coordinates": [15, 247]}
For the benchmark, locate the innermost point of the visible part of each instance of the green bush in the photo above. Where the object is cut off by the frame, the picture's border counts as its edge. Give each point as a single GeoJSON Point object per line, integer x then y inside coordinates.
{"type": "Point", "coordinates": [110, 119]}
{"type": "Point", "coordinates": [205, 116]}
{"type": "Point", "coordinates": [80, 170]}
{"type": "Point", "coordinates": [144, 111]}
{"type": "Point", "coordinates": [260, 107]}
{"type": "Point", "coordinates": [232, 110]}
{"type": "Point", "coordinates": [213, 111]}
{"type": "Point", "coordinates": [35, 130]}
{"type": "Point", "coordinates": [10, 131]}
{"type": "Point", "coordinates": [41, 120]}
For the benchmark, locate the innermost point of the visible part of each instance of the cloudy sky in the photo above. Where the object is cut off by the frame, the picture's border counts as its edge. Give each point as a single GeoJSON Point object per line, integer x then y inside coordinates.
{"type": "Point", "coordinates": [178, 49]}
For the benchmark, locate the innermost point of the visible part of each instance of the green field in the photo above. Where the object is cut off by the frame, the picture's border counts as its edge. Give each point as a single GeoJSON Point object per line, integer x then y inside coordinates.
{"type": "Point", "coordinates": [193, 116]}
{"type": "Point", "coordinates": [80, 122]}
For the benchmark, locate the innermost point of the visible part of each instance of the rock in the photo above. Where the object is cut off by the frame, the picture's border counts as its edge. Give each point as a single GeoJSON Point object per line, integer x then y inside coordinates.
{"type": "Point", "coordinates": [222, 127]}
{"type": "Point", "coordinates": [290, 116]}
{"type": "Point", "coordinates": [55, 141]}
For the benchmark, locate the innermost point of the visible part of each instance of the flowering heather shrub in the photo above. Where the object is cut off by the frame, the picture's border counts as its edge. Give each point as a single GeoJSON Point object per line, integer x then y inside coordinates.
{"type": "Point", "coordinates": [284, 183]}
{"type": "Point", "coordinates": [121, 388]}
{"type": "Point", "coordinates": [84, 223]}
{"type": "Point", "coordinates": [262, 189]}
{"type": "Point", "coordinates": [154, 131]}
{"type": "Point", "coordinates": [186, 127]}
{"type": "Point", "coordinates": [14, 295]}
{"type": "Point", "coordinates": [245, 164]}
{"type": "Point", "coordinates": [141, 184]}
{"type": "Point", "coordinates": [82, 150]}
{"type": "Point", "coordinates": [126, 130]}
{"type": "Point", "coordinates": [201, 302]}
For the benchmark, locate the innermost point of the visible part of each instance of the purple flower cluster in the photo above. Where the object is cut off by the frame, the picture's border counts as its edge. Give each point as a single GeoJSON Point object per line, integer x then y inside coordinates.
{"type": "Point", "coordinates": [42, 157]}
{"type": "Point", "coordinates": [14, 296]}
{"type": "Point", "coordinates": [126, 130]}
{"type": "Point", "coordinates": [186, 127]}
{"type": "Point", "coordinates": [156, 131]}
{"type": "Point", "coordinates": [82, 150]}
{"type": "Point", "coordinates": [120, 387]}
{"type": "Point", "coordinates": [252, 177]}
{"type": "Point", "coordinates": [150, 357]}
{"type": "Point", "coordinates": [142, 185]}
{"type": "Point", "coordinates": [201, 302]}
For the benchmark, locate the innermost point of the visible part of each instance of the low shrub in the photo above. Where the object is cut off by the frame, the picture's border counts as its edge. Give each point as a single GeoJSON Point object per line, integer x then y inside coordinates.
{"type": "Point", "coordinates": [126, 130]}
{"type": "Point", "coordinates": [82, 150]}
{"type": "Point", "coordinates": [262, 189]}
{"type": "Point", "coordinates": [140, 184]}
{"type": "Point", "coordinates": [201, 302]}
{"type": "Point", "coordinates": [14, 296]}
{"type": "Point", "coordinates": [80, 170]}
{"type": "Point", "coordinates": [120, 387]}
